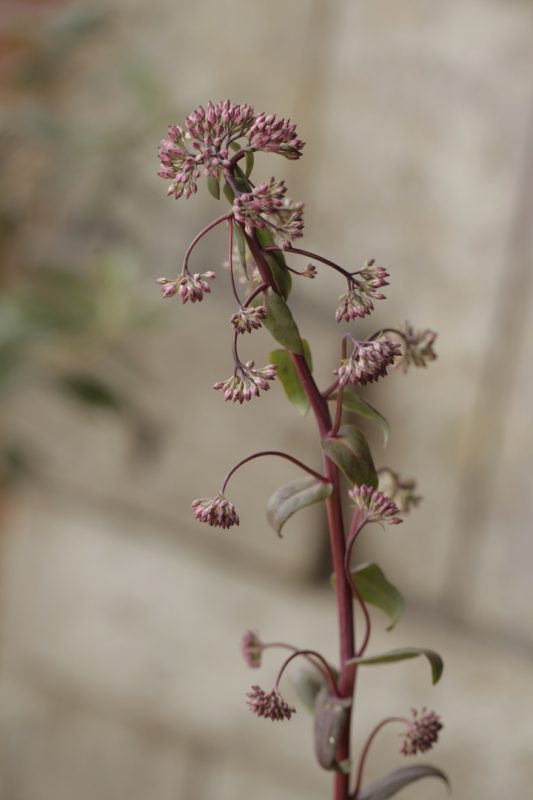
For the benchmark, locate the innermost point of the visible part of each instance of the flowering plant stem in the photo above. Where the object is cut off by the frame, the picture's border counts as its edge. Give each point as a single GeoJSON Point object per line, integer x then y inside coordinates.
{"type": "Point", "coordinates": [264, 222]}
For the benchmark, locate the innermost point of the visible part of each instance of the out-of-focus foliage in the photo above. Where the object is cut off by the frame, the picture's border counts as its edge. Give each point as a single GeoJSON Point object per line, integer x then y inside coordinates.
{"type": "Point", "coordinates": [62, 302]}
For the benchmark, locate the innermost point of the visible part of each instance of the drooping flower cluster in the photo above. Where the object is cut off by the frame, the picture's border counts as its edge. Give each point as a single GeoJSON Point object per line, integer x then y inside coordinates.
{"type": "Point", "coordinates": [422, 733]}
{"type": "Point", "coordinates": [270, 705]}
{"type": "Point", "coordinates": [245, 320]}
{"type": "Point", "coordinates": [203, 146]}
{"type": "Point", "coordinates": [267, 207]}
{"type": "Point", "coordinates": [252, 649]}
{"type": "Point", "coordinates": [376, 507]}
{"type": "Point", "coordinates": [418, 349]}
{"type": "Point", "coordinates": [357, 301]}
{"type": "Point", "coordinates": [247, 384]}
{"type": "Point", "coordinates": [368, 361]}
{"type": "Point", "coordinates": [215, 511]}
{"type": "Point", "coordinates": [187, 286]}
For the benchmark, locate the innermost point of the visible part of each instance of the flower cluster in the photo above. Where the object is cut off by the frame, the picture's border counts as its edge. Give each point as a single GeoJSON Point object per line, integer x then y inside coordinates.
{"type": "Point", "coordinates": [243, 387]}
{"type": "Point", "coordinates": [368, 361]}
{"type": "Point", "coordinates": [418, 350]}
{"type": "Point", "coordinates": [376, 507]}
{"type": "Point", "coordinates": [204, 144]}
{"type": "Point", "coordinates": [245, 320]}
{"type": "Point", "coordinates": [357, 301]}
{"type": "Point", "coordinates": [216, 511]}
{"type": "Point", "coordinates": [270, 705]}
{"type": "Point", "coordinates": [252, 649]}
{"type": "Point", "coordinates": [266, 206]}
{"type": "Point", "coordinates": [422, 733]}
{"type": "Point", "coordinates": [187, 286]}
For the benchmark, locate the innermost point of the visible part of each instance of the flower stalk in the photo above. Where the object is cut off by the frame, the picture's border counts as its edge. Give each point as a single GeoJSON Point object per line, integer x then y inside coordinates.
{"type": "Point", "coordinates": [217, 141]}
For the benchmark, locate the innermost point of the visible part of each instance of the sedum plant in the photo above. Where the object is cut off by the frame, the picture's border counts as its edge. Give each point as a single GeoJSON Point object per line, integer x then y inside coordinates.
{"type": "Point", "coordinates": [217, 145]}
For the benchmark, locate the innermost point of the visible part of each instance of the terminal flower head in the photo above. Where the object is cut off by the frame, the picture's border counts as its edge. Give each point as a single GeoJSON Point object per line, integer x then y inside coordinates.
{"type": "Point", "coordinates": [368, 361]}
{"type": "Point", "coordinates": [216, 511]}
{"type": "Point", "coordinates": [187, 286]}
{"type": "Point", "coordinates": [422, 733]}
{"type": "Point", "coordinates": [270, 705]}
{"type": "Point", "coordinates": [376, 507]}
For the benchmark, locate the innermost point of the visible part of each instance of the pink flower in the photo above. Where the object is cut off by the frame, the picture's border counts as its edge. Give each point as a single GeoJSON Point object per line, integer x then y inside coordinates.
{"type": "Point", "coordinates": [357, 302]}
{"type": "Point", "coordinates": [270, 705]}
{"type": "Point", "coordinates": [267, 207]}
{"type": "Point", "coordinates": [252, 649]}
{"type": "Point", "coordinates": [216, 511]}
{"type": "Point", "coordinates": [422, 733]}
{"type": "Point", "coordinates": [245, 320]}
{"type": "Point", "coordinates": [376, 507]}
{"type": "Point", "coordinates": [368, 361]}
{"type": "Point", "coordinates": [248, 384]}
{"type": "Point", "coordinates": [418, 350]}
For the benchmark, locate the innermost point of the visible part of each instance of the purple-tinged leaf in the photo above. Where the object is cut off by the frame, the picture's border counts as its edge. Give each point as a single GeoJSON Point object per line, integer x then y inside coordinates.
{"type": "Point", "coordinates": [350, 451]}
{"type": "Point", "coordinates": [291, 497]}
{"type": "Point", "coordinates": [403, 654]}
{"type": "Point", "coordinates": [331, 716]}
{"type": "Point", "coordinates": [396, 780]}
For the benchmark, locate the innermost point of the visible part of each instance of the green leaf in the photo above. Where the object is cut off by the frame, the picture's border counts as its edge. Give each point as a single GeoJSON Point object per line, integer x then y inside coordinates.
{"type": "Point", "coordinates": [92, 391]}
{"type": "Point", "coordinates": [396, 780]}
{"type": "Point", "coordinates": [249, 163]}
{"type": "Point", "coordinates": [307, 683]}
{"type": "Point", "coordinates": [289, 377]}
{"type": "Point", "coordinates": [350, 451]}
{"type": "Point", "coordinates": [213, 186]}
{"type": "Point", "coordinates": [352, 402]}
{"type": "Point", "coordinates": [374, 588]}
{"type": "Point", "coordinates": [276, 262]}
{"type": "Point", "coordinates": [291, 497]}
{"type": "Point", "coordinates": [404, 653]}
{"type": "Point", "coordinates": [228, 193]}
{"type": "Point", "coordinates": [331, 716]}
{"type": "Point", "coordinates": [241, 245]}
{"type": "Point", "coordinates": [280, 322]}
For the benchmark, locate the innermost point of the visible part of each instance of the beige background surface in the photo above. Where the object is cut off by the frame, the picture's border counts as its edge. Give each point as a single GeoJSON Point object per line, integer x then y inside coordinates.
{"type": "Point", "coordinates": [120, 618]}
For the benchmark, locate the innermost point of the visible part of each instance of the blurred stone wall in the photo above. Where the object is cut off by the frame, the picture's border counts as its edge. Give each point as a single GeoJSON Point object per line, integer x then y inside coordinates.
{"type": "Point", "coordinates": [117, 610]}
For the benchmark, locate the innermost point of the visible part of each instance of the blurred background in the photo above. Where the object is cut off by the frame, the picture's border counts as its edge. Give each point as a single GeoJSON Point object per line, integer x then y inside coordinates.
{"type": "Point", "coordinates": [120, 618]}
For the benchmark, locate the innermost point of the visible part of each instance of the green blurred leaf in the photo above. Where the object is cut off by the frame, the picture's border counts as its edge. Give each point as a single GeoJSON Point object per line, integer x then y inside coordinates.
{"type": "Point", "coordinates": [307, 682]}
{"type": "Point", "coordinates": [213, 186]}
{"type": "Point", "coordinates": [241, 245]}
{"type": "Point", "coordinates": [249, 163]}
{"type": "Point", "coordinates": [228, 193]}
{"type": "Point", "coordinates": [375, 589]}
{"type": "Point", "coordinates": [352, 402]}
{"type": "Point", "coordinates": [92, 391]}
{"type": "Point", "coordinates": [289, 377]}
{"type": "Point", "coordinates": [291, 497]}
{"type": "Point", "coordinates": [403, 654]}
{"type": "Point", "coordinates": [350, 451]}
{"type": "Point", "coordinates": [392, 783]}
{"type": "Point", "coordinates": [280, 322]}
{"type": "Point", "coordinates": [330, 718]}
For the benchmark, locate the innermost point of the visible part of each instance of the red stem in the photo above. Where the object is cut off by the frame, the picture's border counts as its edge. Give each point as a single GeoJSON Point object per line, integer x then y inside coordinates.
{"type": "Point", "coordinates": [279, 453]}
{"type": "Point", "coordinates": [213, 224]}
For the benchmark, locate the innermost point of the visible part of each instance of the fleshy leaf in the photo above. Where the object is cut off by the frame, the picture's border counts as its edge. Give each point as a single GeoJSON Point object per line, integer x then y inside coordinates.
{"type": "Point", "coordinates": [291, 497]}
{"type": "Point", "coordinates": [350, 451]}
{"type": "Point", "coordinates": [404, 653]}
{"type": "Point", "coordinates": [396, 780]}
{"type": "Point", "coordinates": [281, 324]}
{"type": "Point", "coordinates": [352, 402]}
{"type": "Point", "coordinates": [331, 716]}
{"type": "Point", "coordinates": [213, 187]}
{"type": "Point", "coordinates": [289, 377]}
{"type": "Point", "coordinates": [375, 589]}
